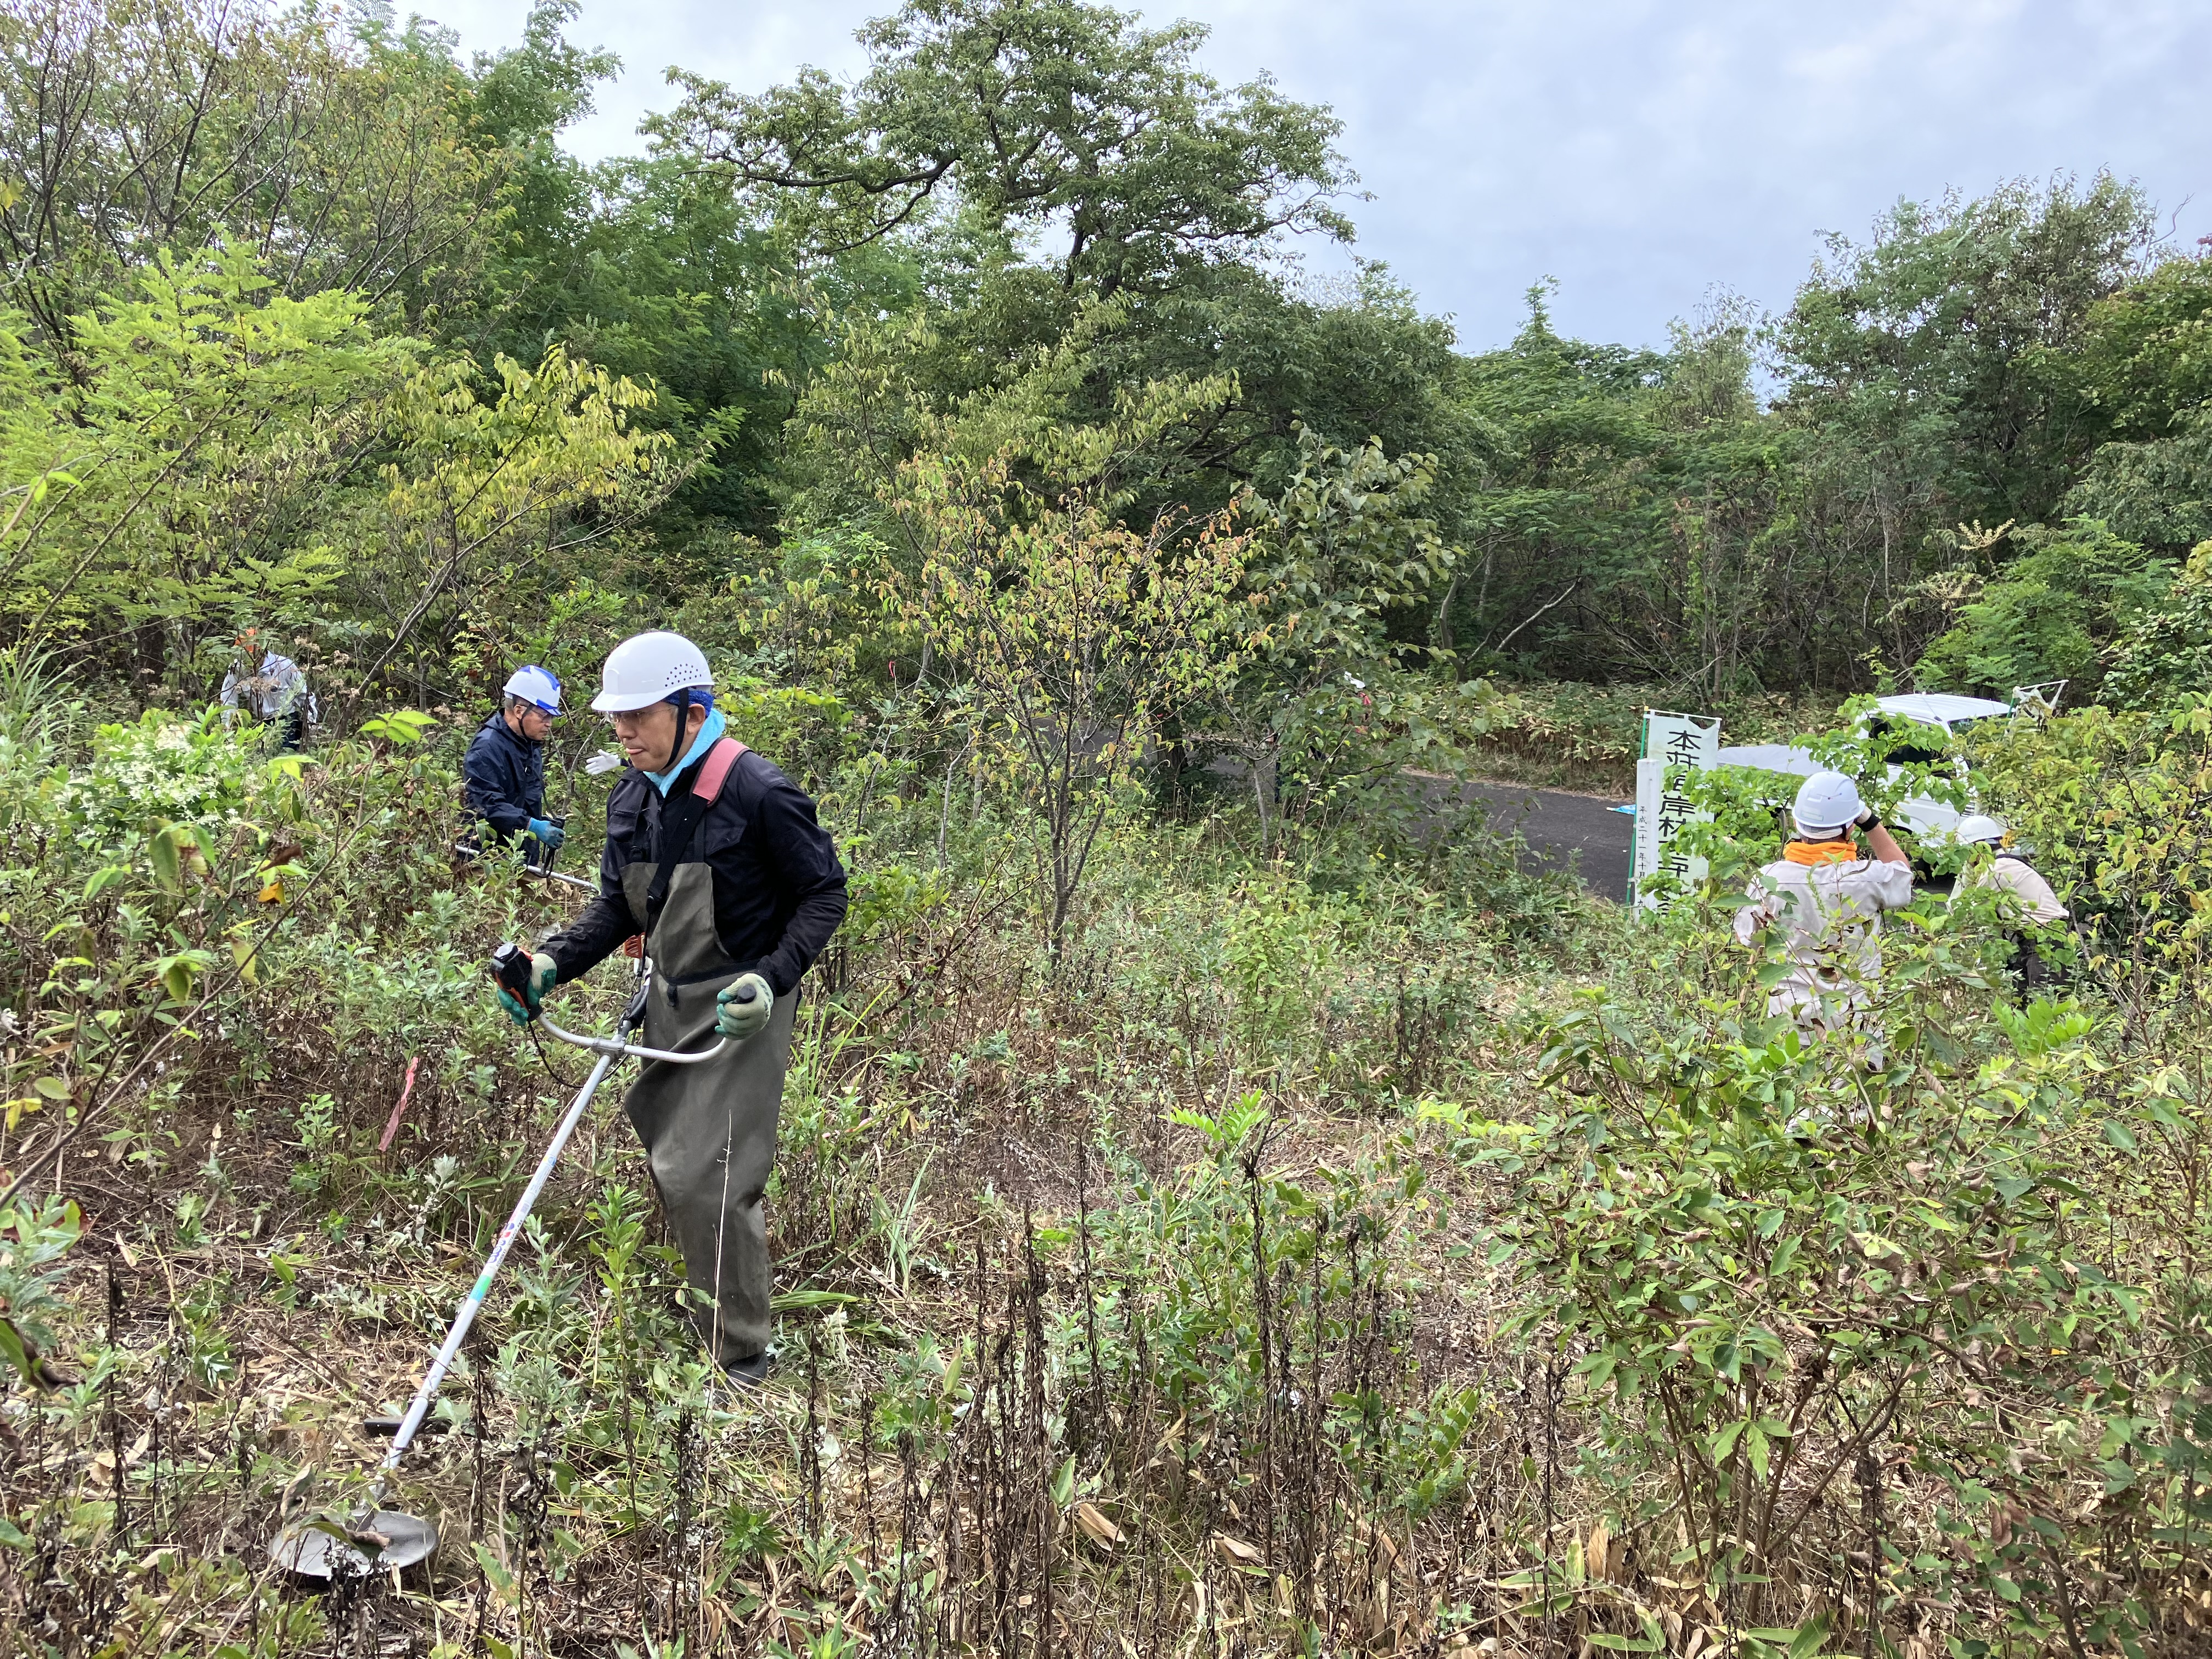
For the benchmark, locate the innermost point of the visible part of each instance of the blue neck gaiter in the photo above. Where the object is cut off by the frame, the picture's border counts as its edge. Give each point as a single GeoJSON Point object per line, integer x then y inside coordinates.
{"type": "Point", "coordinates": [710, 730]}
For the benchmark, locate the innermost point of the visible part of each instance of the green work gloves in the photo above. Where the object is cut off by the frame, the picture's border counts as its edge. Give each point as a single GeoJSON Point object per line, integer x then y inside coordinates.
{"type": "Point", "coordinates": [551, 834]}
{"type": "Point", "coordinates": [543, 972]}
{"type": "Point", "coordinates": [744, 1006]}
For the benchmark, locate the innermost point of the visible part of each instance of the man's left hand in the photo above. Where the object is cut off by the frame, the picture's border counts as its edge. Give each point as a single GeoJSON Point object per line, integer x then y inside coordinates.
{"type": "Point", "coordinates": [741, 1010]}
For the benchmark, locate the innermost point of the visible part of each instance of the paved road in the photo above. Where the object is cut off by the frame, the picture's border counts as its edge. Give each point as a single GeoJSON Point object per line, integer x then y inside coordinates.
{"type": "Point", "coordinates": [1557, 826]}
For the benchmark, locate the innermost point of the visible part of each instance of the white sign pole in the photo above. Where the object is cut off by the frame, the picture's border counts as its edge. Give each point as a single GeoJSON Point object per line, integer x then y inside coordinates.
{"type": "Point", "coordinates": [1671, 743]}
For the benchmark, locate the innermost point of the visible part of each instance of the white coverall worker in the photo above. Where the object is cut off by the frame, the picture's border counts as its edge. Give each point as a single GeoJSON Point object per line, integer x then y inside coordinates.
{"type": "Point", "coordinates": [1826, 899]}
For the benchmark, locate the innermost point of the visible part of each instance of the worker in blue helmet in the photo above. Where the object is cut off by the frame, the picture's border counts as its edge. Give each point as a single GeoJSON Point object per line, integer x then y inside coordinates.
{"type": "Point", "coordinates": [503, 777]}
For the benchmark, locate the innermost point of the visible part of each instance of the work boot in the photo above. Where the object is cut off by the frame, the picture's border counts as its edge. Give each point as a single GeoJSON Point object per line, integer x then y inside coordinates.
{"type": "Point", "coordinates": [750, 1372]}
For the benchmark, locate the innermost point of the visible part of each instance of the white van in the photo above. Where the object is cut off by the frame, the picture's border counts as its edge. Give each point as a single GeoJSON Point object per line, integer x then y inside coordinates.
{"type": "Point", "coordinates": [1944, 716]}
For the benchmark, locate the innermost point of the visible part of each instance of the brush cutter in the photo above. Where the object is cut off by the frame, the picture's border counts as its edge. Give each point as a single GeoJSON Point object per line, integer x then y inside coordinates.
{"type": "Point", "coordinates": [598, 765]}
{"type": "Point", "coordinates": [373, 1538]}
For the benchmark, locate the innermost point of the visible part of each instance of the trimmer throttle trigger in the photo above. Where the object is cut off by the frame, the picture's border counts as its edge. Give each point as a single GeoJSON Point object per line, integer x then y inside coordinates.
{"type": "Point", "coordinates": [510, 966]}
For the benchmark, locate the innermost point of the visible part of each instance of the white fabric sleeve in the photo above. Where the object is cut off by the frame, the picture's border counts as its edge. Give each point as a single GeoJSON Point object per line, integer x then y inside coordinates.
{"type": "Point", "coordinates": [1756, 915]}
{"type": "Point", "coordinates": [2038, 902]}
{"type": "Point", "coordinates": [1892, 884]}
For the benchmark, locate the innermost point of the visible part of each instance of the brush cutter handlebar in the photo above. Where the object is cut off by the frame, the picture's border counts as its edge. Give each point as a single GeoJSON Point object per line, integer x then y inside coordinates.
{"type": "Point", "coordinates": [616, 1048]}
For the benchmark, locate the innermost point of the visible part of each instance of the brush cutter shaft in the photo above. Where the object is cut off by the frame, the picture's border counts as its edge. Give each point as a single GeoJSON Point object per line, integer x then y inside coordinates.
{"type": "Point", "coordinates": [466, 1316]}
{"type": "Point", "coordinates": [462, 849]}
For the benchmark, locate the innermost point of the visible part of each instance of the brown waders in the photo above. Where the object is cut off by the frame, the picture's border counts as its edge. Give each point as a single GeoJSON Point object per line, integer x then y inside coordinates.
{"type": "Point", "coordinates": [709, 1130]}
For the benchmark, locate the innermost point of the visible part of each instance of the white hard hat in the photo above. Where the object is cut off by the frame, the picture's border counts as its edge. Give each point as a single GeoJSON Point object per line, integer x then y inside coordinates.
{"type": "Point", "coordinates": [535, 686]}
{"type": "Point", "coordinates": [1978, 826]}
{"type": "Point", "coordinates": [1827, 801]}
{"type": "Point", "coordinates": [645, 668]}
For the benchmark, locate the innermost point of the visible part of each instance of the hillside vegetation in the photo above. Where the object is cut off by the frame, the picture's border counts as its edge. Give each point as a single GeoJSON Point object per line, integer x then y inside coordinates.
{"type": "Point", "coordinates": [1226, 1202]}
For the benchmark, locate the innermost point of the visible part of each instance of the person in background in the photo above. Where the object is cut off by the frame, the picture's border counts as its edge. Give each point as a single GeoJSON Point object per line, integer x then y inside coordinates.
{"type": "Point", "coordinates": [2028, 900]}
{"type": "Point", "coordinates": [1826, 896]}
{"type": "Point", "coordinates": [277, 691]}
{"type": "Point", "coordinates": [503, 775]}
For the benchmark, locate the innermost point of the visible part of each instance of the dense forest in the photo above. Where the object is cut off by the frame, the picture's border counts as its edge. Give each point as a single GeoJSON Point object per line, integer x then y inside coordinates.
{"type": "Point", "coordinates": [1229, 1201]}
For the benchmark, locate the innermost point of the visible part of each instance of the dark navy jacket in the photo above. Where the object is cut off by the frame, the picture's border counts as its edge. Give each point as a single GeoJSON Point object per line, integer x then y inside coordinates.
{"type": "Point", "coordinates": [503, 779]}
{"type": "Point", "coordinates": [779, 889]}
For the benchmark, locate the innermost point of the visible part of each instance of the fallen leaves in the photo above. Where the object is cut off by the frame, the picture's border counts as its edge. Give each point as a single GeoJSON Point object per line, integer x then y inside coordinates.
{"type": "Point", "coordinates": [1235, 1551]}
{"type": "Point", "coordinates": [1094, 1525]}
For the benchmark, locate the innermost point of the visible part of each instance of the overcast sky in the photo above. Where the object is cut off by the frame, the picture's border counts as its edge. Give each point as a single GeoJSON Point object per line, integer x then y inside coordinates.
{"type": "Point", "coordinates": [1641, 153]}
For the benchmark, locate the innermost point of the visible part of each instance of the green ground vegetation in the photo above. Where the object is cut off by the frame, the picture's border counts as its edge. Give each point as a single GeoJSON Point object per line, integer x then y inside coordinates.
{"type": "Point", "coordinates": [1227, 1201]}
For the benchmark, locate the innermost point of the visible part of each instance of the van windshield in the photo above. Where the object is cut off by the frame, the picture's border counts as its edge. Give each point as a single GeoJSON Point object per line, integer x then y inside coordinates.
{"type": "Point", "coordinates": [1920, 745]}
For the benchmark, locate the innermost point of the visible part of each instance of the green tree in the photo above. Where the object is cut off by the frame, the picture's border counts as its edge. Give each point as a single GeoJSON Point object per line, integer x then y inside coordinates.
{"type": "Point", "coordinates": [2146, 369]}
{"type": "Point", "coordinates": [1918, 369]}
{"type": "Point", "coordinates": [334, 152]}
{"type": "Point", "coordinates": [1326, 689]}
{"type": "Point", "coordinates": [2166, 657]}
{"type": "Point", "coordinates": [170, 478]}
{"type": "Point", "coordinates": [1038, 116]}
{"type": "Point", "coordinates": [1622, 515]}
{"type": "Point", "coordinates": [1076, 633]}
{"type": "Point", "coordinates": [1922, 351]}
{"type": "Point", "coordinates": [219, 454]}
{"type": "Point", "coordinates": [2050, 612]}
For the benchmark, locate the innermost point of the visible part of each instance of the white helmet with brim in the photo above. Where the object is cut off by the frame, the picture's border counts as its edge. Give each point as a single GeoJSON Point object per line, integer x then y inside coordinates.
{"type": "Point", "coordinates": [1827, 804]}
{"type": "Point", "coordinates": [649, 668]}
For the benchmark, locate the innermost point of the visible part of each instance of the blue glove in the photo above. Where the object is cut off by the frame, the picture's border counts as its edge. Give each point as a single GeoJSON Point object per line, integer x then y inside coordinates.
{"type": "Point", "coordinates": [544, 973]}
{"type": "Point", "coordinates": [551, 834]}
{"type": "Point", "coordinates": [743, 1008]}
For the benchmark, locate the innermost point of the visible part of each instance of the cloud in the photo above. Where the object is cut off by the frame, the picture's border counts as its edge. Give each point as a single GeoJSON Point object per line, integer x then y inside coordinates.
{"type": "Point", "coordinates": [1641, 152]}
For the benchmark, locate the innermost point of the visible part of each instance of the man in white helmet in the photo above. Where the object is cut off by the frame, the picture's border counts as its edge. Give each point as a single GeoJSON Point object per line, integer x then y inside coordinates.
{"type": "Point", "coordinates": [503, 775]}
{"type": "Point", "coordinates": [717, 859]}
{"type": "Point", "coordinates": [2029, 901]}
{"type": "Point", "coordinates": [1826, 896]}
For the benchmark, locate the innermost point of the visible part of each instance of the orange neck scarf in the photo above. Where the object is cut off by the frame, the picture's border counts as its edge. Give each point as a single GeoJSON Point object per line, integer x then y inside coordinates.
{"type": "Point", "coordinates": [1813, 853]}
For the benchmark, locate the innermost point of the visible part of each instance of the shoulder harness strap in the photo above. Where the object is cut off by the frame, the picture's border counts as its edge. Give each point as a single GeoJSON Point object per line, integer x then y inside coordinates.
{"type": "Point", "coordinates": [679, 821]}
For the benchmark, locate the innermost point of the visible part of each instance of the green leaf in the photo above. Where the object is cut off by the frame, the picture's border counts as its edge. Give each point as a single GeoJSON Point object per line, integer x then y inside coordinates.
{"type": "Point", "coordinates": [1724, 1442]}
{"type": "Point", "coordinates": [1063, 1484]}
{"type": "Point", "coordinates": [163, 850]}
{"type": "Point", "coordinates": [1599, 1368]}
{"type": "Point", "coordinates": [53, 1088]}
{"type": "Point", "coordinates": [1652, 1641]}
{"type": "Point", "coordinates": [799, 1301]}
{"type": "Point", "coordinates": [2119, 1134]}
{"type": "Point", "coordinates": [102, 879]}
{"type": "Point", "coordinates": [500, 1579]}
{"type": "Point", "coordinates": [1785, 1255]}
{"type": "Point", "coordinates": [400, 726]}
{"type": "Point", "coordinates": [2012, 1188]}
{"type": "Point", "coordinates": [19, 1353]}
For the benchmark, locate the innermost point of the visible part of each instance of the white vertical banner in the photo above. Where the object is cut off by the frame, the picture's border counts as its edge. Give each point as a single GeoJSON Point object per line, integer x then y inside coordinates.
{"type": "Point", "coordinates": [1671, 743]}
{"type": "Point", "coordinates": [1650, 785]}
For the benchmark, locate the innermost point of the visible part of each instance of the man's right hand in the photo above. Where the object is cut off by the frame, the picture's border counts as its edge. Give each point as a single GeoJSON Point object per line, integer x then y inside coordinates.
{"type": "Point", "coordinates": [551, 834]}
{"type": "Point", "coordinates": [544, 973]}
